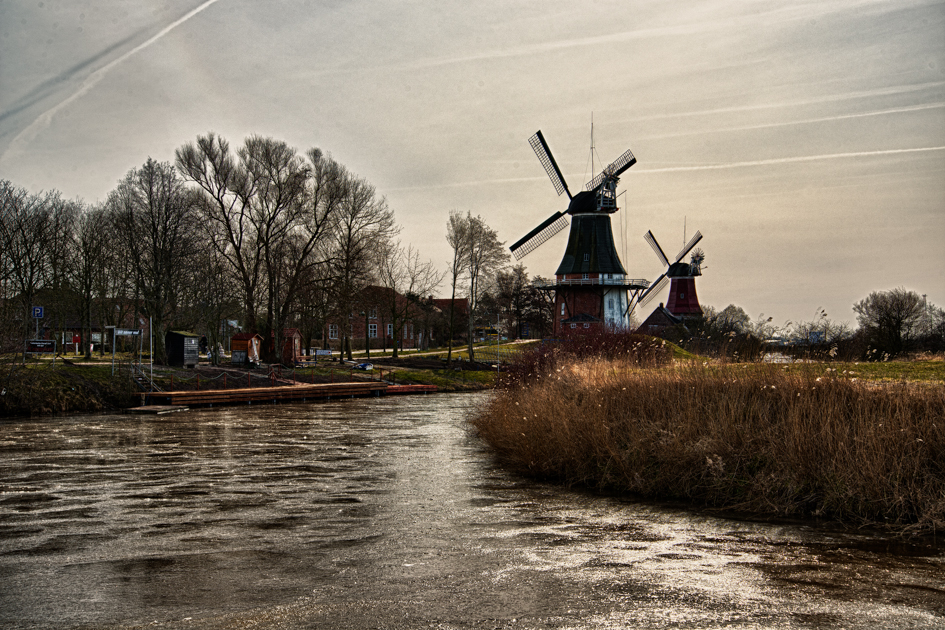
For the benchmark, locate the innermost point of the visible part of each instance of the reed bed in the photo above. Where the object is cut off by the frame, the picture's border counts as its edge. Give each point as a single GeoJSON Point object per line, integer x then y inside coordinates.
{"type": "Point", "coordinates": [759, 439]}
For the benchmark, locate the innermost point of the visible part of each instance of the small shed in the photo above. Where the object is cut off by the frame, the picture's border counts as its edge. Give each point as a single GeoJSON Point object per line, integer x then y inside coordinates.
{"type": "Point", "coordinates": [291, 346]}
{"type": "Point", "coordinates": [182, 348]}
{"type": "Point", "coordinates": [245, 348]}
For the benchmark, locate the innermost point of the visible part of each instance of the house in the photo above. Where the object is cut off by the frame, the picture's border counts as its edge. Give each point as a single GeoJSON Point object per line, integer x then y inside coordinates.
{"type": "Point", "coordinates": [658, 321]}
{"type": "Point", "coordinates": [291, 346]}
{"type": "Point", "coordinates": [419, 324]}
{"type": "Point", "coordinates": [245, 348]}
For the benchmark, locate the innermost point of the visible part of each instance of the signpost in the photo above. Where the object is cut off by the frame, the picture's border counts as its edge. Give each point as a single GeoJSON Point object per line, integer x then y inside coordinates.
{"type": "Point", "coordinates": [38, 315]}
{"type": "Point", "coordinates": [40, 346]}
{"type": "Point", "coordinates": [123, 332]}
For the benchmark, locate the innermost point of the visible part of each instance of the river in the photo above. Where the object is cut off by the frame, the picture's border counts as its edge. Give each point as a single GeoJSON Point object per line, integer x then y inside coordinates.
{"type": "Point", "coordinates": [389, 513]}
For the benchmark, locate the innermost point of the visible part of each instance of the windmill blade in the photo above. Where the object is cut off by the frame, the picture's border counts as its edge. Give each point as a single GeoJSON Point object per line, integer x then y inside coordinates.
{"type": "Point", "coordinates": [649, 238]}
{"type": "Point", "coordinates": [548, 228]}
{"type": "Point", "coordinates": [655, 288]}
{"type": "Point", "coordinates": [540, 147]}
{"type": "Point", "coordinates": [692, 243]}
{"type": "Point", "coordinates": [614, 170]}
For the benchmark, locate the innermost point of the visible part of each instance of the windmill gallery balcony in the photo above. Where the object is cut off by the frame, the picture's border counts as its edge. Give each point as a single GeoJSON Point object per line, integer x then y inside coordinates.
{"type": "Point", "coordinates": [593, 279]}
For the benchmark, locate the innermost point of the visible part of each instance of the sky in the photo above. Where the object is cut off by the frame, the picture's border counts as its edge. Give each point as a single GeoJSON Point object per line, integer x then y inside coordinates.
{"type": "Point", "coordinates": [805, 140]}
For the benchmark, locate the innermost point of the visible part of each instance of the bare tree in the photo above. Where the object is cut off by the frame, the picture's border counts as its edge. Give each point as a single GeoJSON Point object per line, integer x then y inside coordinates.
{"type": "Point", "coordinates": [487, 256]}
{"type": "Point", "coordinates": [88, 261]}
{"type": "Point", "coordinates": [406, 279]}
{"type": "Point", "coordinates": [890, 320]}
{"type": "Point", "coordinates": [156, 221]}
{"type": "Point", "coordinates": [457, 235]}
{"type": "Point", "coordinates": [540, 307]}
{"type": "Point", "coordinates": [269, 210]}
{"type": "Point", "coordinates": [228, 214]}
{"type": "Point", "coordinates": [363, 227]}
{"type": "Point", "coordinates": [27, 235]}
{"type": "Point", "coordinates": [512, 290]}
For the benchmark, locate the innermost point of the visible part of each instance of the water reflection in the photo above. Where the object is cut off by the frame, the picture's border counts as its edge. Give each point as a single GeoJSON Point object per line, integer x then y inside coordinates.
{"type": "Point", "coordinates": [386, 512]}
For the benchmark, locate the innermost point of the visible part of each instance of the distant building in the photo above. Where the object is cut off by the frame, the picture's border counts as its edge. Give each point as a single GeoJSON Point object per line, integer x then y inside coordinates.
{"type": "Point", "coordinates": [183, 348]}
{"type": "Point", "coordinates": [245, 348]}
{"type": "Point", "coordinates": [658, 321]}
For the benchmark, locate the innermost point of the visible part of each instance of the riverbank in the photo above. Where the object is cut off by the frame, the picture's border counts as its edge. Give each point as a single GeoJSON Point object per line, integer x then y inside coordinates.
{"type": "Point", "coordinates": [789, 442]}
{"type": "Point", "coordinates": [44, 388]}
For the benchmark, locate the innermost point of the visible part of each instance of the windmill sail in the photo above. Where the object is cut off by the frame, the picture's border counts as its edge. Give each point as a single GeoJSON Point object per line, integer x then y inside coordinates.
{"type": "Point", "coordinates": [653, 291]}
{"type": "Point", "coordinates": [548, 228]}
{"type": "Point", "coordinates": [540, 147]}
{"type": "Point", "coordinates": [649, 238]}
{"type": "Point", "coordinates": [614, 170]}
{"type": "Point", "coordinates": [692, 243]}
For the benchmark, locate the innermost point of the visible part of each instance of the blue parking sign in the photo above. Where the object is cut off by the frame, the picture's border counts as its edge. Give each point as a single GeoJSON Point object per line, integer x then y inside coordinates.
{"type": "Point", "coordinates": [38, 312]}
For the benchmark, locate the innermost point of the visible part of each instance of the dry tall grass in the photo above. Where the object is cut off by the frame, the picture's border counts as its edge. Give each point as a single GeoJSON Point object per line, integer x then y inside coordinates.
{"type": "Point", "coordinates": [756, 439]}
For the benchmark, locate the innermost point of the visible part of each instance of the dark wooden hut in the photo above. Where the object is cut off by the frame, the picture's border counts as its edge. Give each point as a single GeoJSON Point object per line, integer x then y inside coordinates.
{"type": "Point", "coordinates": [183, 348]}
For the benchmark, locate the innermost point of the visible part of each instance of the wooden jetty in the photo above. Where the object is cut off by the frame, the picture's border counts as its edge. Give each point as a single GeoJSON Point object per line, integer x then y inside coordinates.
{"type": "Point", "coordinates": [270, 395]}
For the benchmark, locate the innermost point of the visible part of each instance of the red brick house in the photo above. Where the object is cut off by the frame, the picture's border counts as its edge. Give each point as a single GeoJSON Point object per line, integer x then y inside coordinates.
{"type": "Point", "coordinates": [373, 323]}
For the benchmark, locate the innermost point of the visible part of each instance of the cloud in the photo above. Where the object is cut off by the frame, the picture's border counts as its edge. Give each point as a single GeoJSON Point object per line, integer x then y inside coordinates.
{"type": "Point", "coordinates": [20, 143]}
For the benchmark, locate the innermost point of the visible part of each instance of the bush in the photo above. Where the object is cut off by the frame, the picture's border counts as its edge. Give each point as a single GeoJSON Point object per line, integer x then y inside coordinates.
{"type": "Point", "coordinates": [629, 348]}
{"type": "Point", "coordinates": [744, 437]}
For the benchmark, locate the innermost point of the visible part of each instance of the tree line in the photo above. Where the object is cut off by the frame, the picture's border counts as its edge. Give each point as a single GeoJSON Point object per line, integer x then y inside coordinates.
{"type": "Point", "coordinates": [259, 233]}
{"type": "Point", "coordinates": [274, 239]}
{"type": "Point", "coordinates": [891, 323]}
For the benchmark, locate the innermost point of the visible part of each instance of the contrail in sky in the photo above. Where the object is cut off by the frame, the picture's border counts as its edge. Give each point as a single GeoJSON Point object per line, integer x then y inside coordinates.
{"type": "Point", "coordinates": [788, 160]}
{"type": "Point", "coordinates": [806, 121]}
{"type": "Point", "coordinates": [42, 122]}
{"type": "Point", "coordinates": [675, 169]}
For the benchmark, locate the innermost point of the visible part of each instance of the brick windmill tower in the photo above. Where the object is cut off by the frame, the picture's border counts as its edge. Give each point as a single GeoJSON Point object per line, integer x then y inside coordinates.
{"type": "Point", "coordinates": [591, 285]}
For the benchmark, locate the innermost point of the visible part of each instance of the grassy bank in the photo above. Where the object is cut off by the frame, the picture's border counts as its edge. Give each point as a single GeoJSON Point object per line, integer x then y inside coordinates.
{"type": "Point", "coordinates": [43, 389]}
{"type": "Point", "coordinates": [765, 439]}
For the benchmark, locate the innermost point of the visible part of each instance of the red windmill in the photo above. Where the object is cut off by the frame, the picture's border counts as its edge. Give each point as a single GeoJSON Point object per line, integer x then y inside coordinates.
{"type": "Point", "coordinates": [682, 300]}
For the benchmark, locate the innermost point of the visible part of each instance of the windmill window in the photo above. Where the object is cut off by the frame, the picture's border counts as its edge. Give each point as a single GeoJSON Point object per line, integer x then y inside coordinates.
{"type": "Point", "coordinates": [587, 257]}
{"type": "Point", "coordinates": [562, 308]}
{"type": "Point", "coordinates": [610, 303]}
{"type": "Point", "coordinates": [682, 296]}
{"type": "Point", "coordinates": [573, 325]}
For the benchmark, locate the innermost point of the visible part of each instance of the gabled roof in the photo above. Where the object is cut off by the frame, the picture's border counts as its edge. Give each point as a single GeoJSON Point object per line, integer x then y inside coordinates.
{"type": "Point", "coordinates": [245, 336]}
{"type": "Point", "coordinates": [444, 304]}
{"type": "Point", "coordinates": [660, 318]}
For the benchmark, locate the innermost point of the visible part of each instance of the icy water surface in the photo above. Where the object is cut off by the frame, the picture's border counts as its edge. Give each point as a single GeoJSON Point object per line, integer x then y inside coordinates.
{"type": "Point", "coordinates": [388, 513]}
